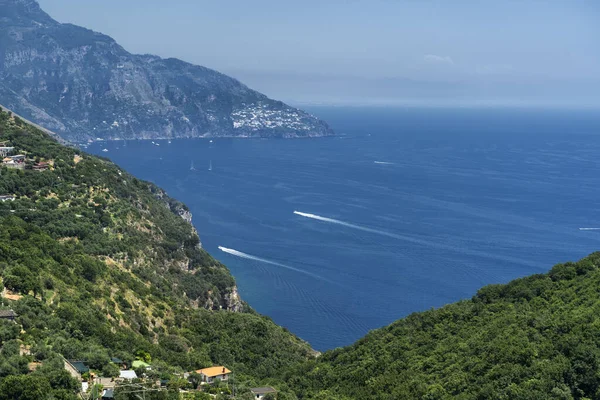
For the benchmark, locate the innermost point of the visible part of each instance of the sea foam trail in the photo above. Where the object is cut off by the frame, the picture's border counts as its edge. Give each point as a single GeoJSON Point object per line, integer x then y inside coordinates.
{"type": "Point", "coordinates": [263, 260]}
{"type": "Point", "coordinates": [349, 225]}
{"type": "Point", "coordinates": [589, 229]}
{"type": "Point", "coordinates": [383, 162]}
{"type": "Point", "coordinates": [422, 242]}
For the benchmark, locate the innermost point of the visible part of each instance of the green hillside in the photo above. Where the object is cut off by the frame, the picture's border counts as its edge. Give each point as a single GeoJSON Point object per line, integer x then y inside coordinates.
{"type": "Point", "coordinates": [534, 338]}
{"type": "Point", "coordinates": [98, 264]}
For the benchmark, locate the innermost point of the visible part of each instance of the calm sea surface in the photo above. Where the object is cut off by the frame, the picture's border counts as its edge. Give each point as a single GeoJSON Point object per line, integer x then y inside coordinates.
{"type": "Point", "coordinates": [405, 210]}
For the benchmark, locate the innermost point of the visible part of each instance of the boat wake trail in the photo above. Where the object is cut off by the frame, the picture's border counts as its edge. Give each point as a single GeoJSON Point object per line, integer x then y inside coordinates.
{"type": "Point", "coordinates": [383, 162]}
{"type": "Point", "coordinates": [419, 241]}
{"type": "Point", "coordinates": [349, 225]}
{"type": "Point", "coordinates": [589, 229]}
{"type": "Point", "coordinates": [263, 260]}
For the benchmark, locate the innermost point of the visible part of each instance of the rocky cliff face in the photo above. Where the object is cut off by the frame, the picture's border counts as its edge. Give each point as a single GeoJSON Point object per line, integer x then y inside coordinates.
{"type": "Point", "coordinates": [83, 85]}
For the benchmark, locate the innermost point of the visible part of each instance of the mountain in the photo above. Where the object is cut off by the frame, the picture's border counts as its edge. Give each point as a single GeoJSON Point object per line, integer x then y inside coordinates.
{"type": "Point", "coordinates": [83, 85]}
{"type": "Point", "coordinates": [98, 264]}
{"type": "Point", "coordinates": [534, 338]}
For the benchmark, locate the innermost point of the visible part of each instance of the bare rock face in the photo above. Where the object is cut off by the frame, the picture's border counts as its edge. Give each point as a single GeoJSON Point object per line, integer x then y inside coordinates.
{"type": "Point", "coordinates": [83, 85]}
{"type": "Point", "coordinates": [233, 300]}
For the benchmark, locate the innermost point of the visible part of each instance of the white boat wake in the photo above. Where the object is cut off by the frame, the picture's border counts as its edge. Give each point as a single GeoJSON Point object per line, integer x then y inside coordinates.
{"type": "Point", "coordinates": [383, 162]}
{"type": "Point", "coordinates": [589, 229]}
{"type": "Point", "coordinates": [263, 260]}
{"type": "Point", "coordinates": [415, 240]}
{"type": "Point", "coordinates": [349, 225]}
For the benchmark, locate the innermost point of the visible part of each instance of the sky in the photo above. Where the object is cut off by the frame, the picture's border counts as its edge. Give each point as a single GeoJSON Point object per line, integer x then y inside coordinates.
{"type": "Point", "coordinates": [379, 52]}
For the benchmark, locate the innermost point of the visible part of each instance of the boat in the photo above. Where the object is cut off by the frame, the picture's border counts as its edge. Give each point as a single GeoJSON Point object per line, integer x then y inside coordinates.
{"type": "Point", "coordinates": [105, 150]}
{"type": "Point", "coordinates": [192, 167]}
{"type": "Point", "coordinates": [210, 165]}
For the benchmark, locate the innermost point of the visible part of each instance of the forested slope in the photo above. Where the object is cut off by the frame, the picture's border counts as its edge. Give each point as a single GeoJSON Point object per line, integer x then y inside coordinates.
{"type": "Point", "coordinates": [534, 338]}
{"type": "Point", "coordinates": [98, 264]}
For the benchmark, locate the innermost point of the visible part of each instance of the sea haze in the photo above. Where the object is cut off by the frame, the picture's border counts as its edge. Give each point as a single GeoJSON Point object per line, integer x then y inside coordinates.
{"type": "Point", "coordinates": [405, 210]}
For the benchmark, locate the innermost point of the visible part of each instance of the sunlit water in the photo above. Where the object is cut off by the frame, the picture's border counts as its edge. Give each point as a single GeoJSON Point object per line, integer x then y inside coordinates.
{"type": "Point", "coordinates": [405, 210]}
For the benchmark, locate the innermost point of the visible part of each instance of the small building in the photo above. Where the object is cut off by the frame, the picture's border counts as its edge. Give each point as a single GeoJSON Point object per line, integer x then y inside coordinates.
{"type": "Point", "coordinates": [71, 369]}
{"type": "Point", "coordinates": [106, 383]}
{"type": "Point", "coordinates": [17, 161]}
{"type": "Point", "coordinates": [108, 394]}
{"type": "Point", "coordinates": [8, 163]}
{"type": "Point", "coordinates": [137, 364]}
{"type": "Point", "coordinates": [261, 392]}
{"type": "Point", "coordinates": [42, 166]}
{"type": "Point", "coordinates": [209, 375]}
{"type": "Point", "coordinates": [4, 151]}
{"type": "Point", "coordinates": [8, 315]}
{"type": "Point", "coordinates": [79, 366]}
{"type": "Point", "coordinates": [128, 374]}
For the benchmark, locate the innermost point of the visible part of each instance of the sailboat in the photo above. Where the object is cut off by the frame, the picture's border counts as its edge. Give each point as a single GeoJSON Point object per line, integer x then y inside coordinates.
{"type": "Point", "coordinates": [192, 166]}
{"type": "Point", "coordinates": [210, 165]}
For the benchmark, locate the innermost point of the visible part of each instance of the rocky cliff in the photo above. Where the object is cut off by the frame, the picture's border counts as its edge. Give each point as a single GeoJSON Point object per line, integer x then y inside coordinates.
{"type": "Point", "coordinates": [83, 85]}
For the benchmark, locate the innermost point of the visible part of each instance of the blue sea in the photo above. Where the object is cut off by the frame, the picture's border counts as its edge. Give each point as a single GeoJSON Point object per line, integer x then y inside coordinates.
{"type": "Point", "coordinates": [404, 210]}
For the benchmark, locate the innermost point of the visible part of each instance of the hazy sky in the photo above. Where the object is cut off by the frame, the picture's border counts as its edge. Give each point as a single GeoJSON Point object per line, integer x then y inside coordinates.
{"type": "Point", "coordinates": [375, 51]}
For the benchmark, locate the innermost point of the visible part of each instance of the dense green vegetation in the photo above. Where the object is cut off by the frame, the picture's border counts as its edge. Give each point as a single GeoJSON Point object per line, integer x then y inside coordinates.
{"type": "Point", "coordinates": [107, 267]}
{"type": "Point", "coordinates": [534, 338]}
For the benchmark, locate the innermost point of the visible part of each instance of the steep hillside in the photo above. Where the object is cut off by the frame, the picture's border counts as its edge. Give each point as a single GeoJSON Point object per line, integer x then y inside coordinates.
{"type": "Point", "coordinates": [98, 264]}
{"type": "Point", "coordinates": [534, 338]}
{"type": "Point", "coordinates": [83, 85]}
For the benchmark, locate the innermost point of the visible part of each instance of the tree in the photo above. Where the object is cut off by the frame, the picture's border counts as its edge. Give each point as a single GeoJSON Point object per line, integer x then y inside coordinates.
{"type": "Point", "coordinates": [8, 331]}
{"type": "Point", "coordinates": [110, 370]}
{"type": "Point", "coordinates": [24, 387]}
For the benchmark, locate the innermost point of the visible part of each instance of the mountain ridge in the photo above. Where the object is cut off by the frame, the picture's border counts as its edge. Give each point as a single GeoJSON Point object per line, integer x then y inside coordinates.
{"type": "Point", "coordinates": [83, 85]}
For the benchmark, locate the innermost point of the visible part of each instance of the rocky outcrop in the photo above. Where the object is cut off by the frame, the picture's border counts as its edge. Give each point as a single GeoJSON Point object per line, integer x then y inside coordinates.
{"type": "Point", "coordinates": [83, 85]}
{"type": "Point", "coordinates": [233, 301]}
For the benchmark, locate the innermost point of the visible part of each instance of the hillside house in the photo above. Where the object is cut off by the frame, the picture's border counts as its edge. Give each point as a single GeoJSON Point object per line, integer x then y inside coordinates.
{"type": "Point", "coordinates": [137, 364]}
{"type": "Point", "coordinates": [70, 368]}
{"type": "Point", "coordinates": [209, 375]}
{"type": "Point", "coordinates": [18, 158]}
{"type": "Point", "coordinates": [41, 166]}
{"type": "Point", "coordinates": [261, 392]}
{"type": "Point", "coordinates": [127, 374]}
{"type": "Point", "coordinates": [9, 315]}
{"type": "Point", "coordinates": [4, 151]}
{"type": "Point", "coordinates": [79, 366]}
{"type": "Point", "coordinates": [17, 161]}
